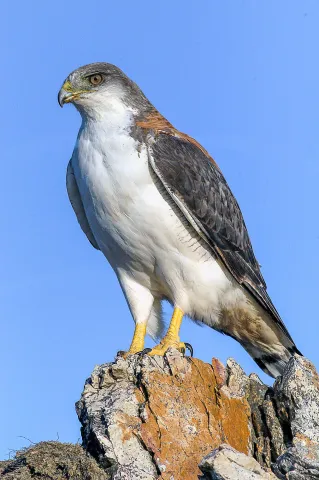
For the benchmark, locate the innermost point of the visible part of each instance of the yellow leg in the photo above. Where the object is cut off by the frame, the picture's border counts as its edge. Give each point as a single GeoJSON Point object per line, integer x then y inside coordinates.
{"type": "Point", "coordinates": [171, 338]}
{"type": "Point", "coordinates": [137, 344]}
{"type": "Point", "coordinates": [175, 325]}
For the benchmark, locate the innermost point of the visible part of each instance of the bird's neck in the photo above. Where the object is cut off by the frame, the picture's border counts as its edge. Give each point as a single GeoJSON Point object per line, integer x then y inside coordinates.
{"type": "Point", "coordinates": [107, 113]}
{"type": "Point", "coordinates": [108, 129]}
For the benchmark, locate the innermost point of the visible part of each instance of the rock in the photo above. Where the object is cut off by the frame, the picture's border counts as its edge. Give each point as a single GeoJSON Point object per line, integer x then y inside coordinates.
{"type": "Point", "coordinates": [297, 400]}
{"type": "Point", "coordinates": [149, 417]}
{"type": "Point", "coordinates": [153, 417]}
{"type": "Point", "coordinates": [285, 434]}
{"type": "Point", "coordinates": [177, 418]}
{"type": "Point", "coordinates": [110, 413]}
{"type": "Point", "coordinates": [52, 460]}
{"type": "Point", "coordinates": [225, 463]}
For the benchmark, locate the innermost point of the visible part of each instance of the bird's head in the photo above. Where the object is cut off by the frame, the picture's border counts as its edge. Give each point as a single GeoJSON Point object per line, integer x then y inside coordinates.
{"type": "Point", "coordinates": [96, 87]}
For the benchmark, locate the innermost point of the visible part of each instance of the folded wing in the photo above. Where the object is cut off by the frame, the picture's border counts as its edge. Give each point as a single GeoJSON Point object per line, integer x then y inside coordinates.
{"type": "Point", "coordinates": [197, 186]}
{"type": "Point", "coordinates": [76, 202]}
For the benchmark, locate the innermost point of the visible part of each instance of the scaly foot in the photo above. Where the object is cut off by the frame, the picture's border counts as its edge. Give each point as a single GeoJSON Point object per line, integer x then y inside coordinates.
{"type": "Point", "coordinates": [162, 348]}
{"type": "Point", "coordinates": [137, 344]}
{"type": "Point", "coordinates": [171, 339]}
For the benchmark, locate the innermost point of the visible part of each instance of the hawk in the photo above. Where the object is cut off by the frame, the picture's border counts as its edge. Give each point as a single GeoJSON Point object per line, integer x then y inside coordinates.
{"type": "Point", "coordinates": [158, 207]}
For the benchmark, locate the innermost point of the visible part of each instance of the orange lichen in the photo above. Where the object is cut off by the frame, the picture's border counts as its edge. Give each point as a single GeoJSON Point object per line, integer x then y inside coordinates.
{"type": "Point", "coordinates": [187, 417]}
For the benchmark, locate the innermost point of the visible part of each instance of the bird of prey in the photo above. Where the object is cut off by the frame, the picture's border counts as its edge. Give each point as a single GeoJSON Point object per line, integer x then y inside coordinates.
{"type": "Point", "coordinates": [158, 207]}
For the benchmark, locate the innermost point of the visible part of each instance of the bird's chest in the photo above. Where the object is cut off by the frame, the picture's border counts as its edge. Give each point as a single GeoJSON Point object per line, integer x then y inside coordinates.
{"type": "Point", "coordinates": [132, 220]}
{"type": "Point", "coordinates": [118, 194]}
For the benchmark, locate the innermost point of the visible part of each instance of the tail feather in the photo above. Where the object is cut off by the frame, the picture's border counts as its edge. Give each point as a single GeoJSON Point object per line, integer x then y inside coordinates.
{"type": "Point", "coordinates": [272, 363]}
{"type": "Point", "coordinates": [265, 339]}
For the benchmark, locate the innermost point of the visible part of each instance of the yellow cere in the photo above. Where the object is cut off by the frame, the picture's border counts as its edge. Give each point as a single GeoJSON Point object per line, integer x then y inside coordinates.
{"type": "Point", "coordinates": [67, 86]}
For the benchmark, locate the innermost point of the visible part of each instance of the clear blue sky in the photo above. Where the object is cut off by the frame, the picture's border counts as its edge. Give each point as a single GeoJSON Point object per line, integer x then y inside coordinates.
{"type": "Point", "coordinates": [242, 77]}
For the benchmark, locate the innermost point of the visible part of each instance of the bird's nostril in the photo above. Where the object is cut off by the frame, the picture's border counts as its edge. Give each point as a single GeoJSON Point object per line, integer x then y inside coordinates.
{"type": "Point", "coordinates": [67, 86]}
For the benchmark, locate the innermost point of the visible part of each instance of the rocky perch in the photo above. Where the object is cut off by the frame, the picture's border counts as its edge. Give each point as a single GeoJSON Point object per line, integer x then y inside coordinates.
{"type": "Point", "coordinates": [177, 418]}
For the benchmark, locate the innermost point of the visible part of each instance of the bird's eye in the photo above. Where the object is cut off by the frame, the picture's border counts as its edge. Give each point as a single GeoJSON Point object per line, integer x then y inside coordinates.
{"type": "Point", "coordinates": [95, 79]}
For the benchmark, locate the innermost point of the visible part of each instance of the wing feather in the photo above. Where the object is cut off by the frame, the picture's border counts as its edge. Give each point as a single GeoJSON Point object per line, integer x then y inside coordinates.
{"type": "Point", "coordinates": [76, 202]}
{"type": "Point", "coordinates": [200, 190]}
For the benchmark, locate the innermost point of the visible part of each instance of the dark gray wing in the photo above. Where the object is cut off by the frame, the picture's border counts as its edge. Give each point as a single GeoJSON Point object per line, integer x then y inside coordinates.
{"type": "Point", "coordinates": [198, 187]}
{"type": "Point", "coordinates": [76, 202]}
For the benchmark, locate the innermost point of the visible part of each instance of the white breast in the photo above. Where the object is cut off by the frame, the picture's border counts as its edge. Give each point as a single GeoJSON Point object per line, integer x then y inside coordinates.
{"type": "Point", "coordinates": [117, 191]}
{"type": "Point", "coordinates": [136, 228]}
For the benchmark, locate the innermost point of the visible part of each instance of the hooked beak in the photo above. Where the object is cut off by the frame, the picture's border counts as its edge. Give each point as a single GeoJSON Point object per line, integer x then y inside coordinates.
{"type": "Point", "coordinates": [66, 94]}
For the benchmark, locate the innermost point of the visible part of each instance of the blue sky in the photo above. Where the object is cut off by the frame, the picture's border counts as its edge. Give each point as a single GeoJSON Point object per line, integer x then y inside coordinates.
{"type": "Point", "coordinates": [242, 77]}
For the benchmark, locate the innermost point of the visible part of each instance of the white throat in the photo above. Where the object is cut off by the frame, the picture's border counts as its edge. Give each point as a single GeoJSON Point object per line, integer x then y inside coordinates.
{"type": "Point", "coordinates": [105, 133]}
{"type": "Point", "coordinates": [106, 108]}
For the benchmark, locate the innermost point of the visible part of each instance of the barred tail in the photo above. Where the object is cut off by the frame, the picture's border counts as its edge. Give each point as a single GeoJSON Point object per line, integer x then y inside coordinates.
{"type": "Point", "coordinates": [274, 363]}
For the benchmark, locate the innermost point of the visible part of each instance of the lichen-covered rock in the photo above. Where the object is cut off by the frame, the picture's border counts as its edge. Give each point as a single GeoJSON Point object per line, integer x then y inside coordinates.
{"type": "Point", "coordinates": [225, 463]}
{"type": "Point", "coordinates": [153, 417]}
{"type": "Point", "coordinates": [177, 418]}
{"type": "Point", "coordinates": [110, 413]}
{"type": "Point", "coordinates": [52, 461]}
{"type": "Point", "coordinates": [297, 399]}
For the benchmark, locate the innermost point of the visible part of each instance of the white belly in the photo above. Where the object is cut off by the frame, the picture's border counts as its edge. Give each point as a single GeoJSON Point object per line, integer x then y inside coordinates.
{"type": "Point", "coordinates": [139, 232]}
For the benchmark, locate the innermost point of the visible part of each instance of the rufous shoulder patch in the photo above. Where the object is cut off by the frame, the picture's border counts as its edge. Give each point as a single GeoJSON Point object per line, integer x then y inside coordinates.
{"type": "Point", "coordinates": [156, 122]}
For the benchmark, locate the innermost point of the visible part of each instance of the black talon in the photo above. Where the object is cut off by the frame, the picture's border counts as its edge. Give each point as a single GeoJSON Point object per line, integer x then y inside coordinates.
{"type": "Point", "coordinates": [145, 351]}
{"type": "Point", "coordinates": [120, 353]}
{"type": "Point", "coordinates": [190, 348]}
